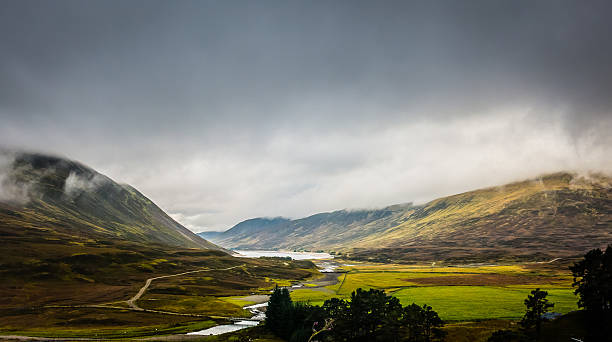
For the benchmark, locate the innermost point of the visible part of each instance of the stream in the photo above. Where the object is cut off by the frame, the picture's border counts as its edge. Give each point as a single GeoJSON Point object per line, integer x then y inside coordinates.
{"type": "Point", "coordinates": [258, 310]}
{"type": "Point", "coordinates": [258, 316]}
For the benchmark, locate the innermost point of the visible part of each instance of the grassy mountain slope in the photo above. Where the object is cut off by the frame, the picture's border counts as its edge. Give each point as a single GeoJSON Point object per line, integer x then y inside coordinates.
{"type": "Point", "coordinates": [55, 196]}
{"type": "Point", "coordinates": [72, 238]}
{"type": "Point", "coordinates": [554, 215]}
{"type": "Point", "coordinates": [63, 223]}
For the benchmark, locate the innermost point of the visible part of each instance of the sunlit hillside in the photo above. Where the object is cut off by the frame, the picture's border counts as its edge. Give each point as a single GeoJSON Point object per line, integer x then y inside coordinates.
{"type": "Point", "coordinates": [546, 217]}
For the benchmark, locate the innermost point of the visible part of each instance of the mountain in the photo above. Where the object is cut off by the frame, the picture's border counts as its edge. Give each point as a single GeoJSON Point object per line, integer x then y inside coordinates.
{"type": "Point", "coordinates": [72, 236]}
{"type": "Point", "coordinates": [210, 236]}
{"type": "Point", "coordinates": [55, 198]}
{"type": "Point", "coordinates": [248, 229]}
{"type": "Point", "coordinates": [550, 216]}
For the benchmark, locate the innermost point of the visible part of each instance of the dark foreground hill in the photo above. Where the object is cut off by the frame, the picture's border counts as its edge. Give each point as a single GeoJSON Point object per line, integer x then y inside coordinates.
{"type": "Point", "coordinates": [58, 199]}
{"type": "Point", "coordinates": [68, 231]}
{"type": "Point", "coordinates": [76, 246]}
{"type": "Point", "coordinates": [551, 216]}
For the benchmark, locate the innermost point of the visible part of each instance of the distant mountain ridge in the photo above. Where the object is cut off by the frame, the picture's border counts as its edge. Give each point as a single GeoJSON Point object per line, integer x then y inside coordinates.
{"type": "Point", "coordinates": [210, 235]}
{"type": "Point", "coordinates": [51, 196]}
{"type": "Point", "coordinates": [549, 216]}
{"type": "Point", "coordinates": [259, 233]}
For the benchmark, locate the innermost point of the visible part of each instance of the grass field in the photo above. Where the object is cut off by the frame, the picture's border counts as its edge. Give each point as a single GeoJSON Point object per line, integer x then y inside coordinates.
{"type": "Point", "coordinates": [33, 291]}
{"type": "Point", "coordinates": [456, 293]}
{"type": "Point", "coordinates": [96, 323]}
{"type": "Point", "coordinates": [218, 293]}
{"type": "Point", "coordinates": [491, 297]}
{"type": "Point", "coordinates": [464, 303]}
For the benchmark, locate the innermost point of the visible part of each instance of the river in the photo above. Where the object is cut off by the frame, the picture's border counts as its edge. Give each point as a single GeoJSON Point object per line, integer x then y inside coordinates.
{"type": "Point", "coordinates": [257, 310]}
{"type": "Point", "coordinates": [258, 316]}
{"type": "Point", "coordinates": [283, 254]}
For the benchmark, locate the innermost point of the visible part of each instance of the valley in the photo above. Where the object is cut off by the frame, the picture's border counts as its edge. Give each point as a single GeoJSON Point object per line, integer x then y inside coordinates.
{"type": "Point", "coordinates": [489, 294]}
{"type": "Point", "coordinates": [98, 260]}
{"type": "Point", "coordinates": [306, 171]}
{"type": "Point", "coordinates": [165, 304]}
{"type": "Point", "coordinates": [458, 293]}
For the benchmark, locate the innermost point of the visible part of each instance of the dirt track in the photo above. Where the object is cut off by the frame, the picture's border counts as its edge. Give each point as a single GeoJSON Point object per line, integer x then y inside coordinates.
{"type": "Point", "coordinates": [132, 301]}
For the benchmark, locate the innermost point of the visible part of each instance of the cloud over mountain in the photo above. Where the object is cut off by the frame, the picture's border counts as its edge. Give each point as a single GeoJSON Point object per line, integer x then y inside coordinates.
{"type": "Point", "coordinates": [222, 111]}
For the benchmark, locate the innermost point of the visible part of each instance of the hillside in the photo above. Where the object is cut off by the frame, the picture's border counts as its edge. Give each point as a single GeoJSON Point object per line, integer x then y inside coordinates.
{"type": "Point", "coordinates": [55, 198]}
{"type": "Point", "coordinates": [77, 248]}
{"type": "Point", "coordinates": [555, 215]}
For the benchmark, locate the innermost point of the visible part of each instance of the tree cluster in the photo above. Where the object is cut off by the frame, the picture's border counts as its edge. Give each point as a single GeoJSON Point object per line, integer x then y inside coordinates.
{"type": "Point", "coordinates": [593, 282]}
{"type": "Point", "coordinates": [367, 316]}
{"type": "Point", "coordinates": [289, 320]}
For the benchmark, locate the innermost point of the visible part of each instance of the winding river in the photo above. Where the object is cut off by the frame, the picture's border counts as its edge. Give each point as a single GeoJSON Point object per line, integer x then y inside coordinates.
{"type": "Point", "coordinates": [258, 310]}
{"type": "Point", "coordinates": [258, 316]}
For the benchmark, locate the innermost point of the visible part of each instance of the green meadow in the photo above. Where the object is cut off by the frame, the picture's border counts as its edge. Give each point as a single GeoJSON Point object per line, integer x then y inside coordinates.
{"type": "Point", "coordinates": [456, 293]}
{"type": "Point", "coordinates": [466, 303]}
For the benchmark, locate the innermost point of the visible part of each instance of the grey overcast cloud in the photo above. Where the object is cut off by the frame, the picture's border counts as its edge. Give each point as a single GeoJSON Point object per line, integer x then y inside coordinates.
{"type": "Point", "coordinates": [221, 111]}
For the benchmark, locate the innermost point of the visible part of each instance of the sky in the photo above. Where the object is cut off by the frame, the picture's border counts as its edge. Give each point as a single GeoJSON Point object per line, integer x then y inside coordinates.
{"type": "Point", "coordinates": [220, 111]}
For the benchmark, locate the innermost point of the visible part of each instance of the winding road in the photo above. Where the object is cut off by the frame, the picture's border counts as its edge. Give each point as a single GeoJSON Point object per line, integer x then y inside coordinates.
{"type": "Point", "coordinates": [132, 301]}
{"type": "Point", "coordinates": [548, 262]}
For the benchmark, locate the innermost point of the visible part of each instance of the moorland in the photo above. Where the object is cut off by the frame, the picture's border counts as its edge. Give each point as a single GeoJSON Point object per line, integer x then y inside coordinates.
{"type": "Point", "coordinates": [77, 247]}
{"type": "Point", "coordinates": [85, 257]}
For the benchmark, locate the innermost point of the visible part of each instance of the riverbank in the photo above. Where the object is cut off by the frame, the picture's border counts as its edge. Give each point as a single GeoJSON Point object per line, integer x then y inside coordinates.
{"type": "Point", "coordinates": [329, 278]}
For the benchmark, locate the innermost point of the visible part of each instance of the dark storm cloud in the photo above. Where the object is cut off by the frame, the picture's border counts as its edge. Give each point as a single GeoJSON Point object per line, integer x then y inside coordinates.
{"type": "Point", "coordinates": [224, 110]}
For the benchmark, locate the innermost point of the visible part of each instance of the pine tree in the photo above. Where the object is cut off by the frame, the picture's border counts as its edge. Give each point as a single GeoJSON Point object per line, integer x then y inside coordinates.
{"type": "Point", "coordinates": [279, 308]}
{"type": "Point", "coordinates": [537, 305]}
